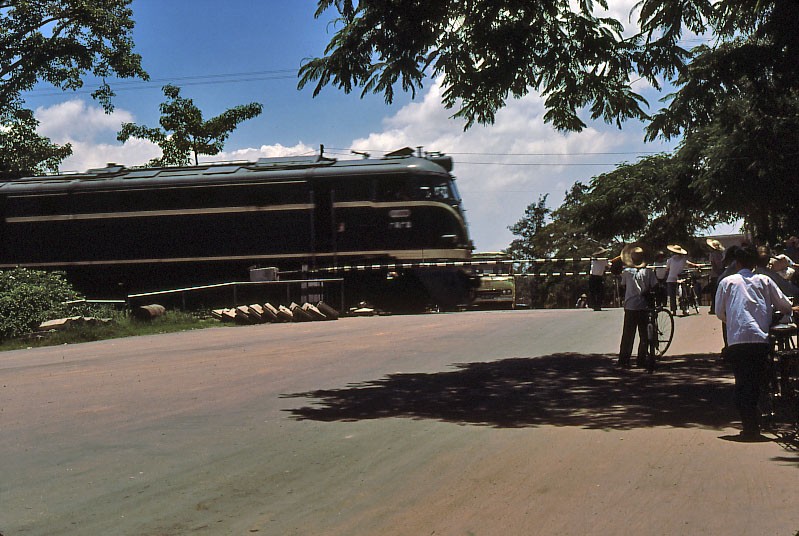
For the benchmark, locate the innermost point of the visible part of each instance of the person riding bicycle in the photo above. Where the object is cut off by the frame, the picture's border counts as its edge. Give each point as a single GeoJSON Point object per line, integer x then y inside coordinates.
{"type": "Point", "coordinates": [746, 302]}
{"type": "Point", "coordinates": [639, 282]}
{"type": "Point", "coordinates": [674, 266]}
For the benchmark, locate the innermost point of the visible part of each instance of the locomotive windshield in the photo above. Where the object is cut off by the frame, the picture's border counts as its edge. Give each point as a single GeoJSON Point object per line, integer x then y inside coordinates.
{"type": "Point", "coordinates": [417, 189]}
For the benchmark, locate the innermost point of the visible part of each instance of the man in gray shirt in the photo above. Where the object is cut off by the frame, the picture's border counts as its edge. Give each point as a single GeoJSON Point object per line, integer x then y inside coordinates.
{"type": "Point", "coordinates": [638, 280]}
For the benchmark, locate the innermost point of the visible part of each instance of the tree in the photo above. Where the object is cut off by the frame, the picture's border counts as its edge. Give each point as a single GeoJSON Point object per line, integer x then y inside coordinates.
{"type": "Point", "coordinates": [29, 297]}
{"type": "Point", "coordinates": [489, 50]}
{"type": "Point", "coordinates": [745, 160]}
{"type": "Point", "coordinates": [486, 51]}
{"type": "Point", "coordinates": [529, 244]}
{"type": "Point", "coordinates": [652, 200]}
{"type": "Point", "coordinates": [56, 41]}
{"type": "Point", "coordinates": [60, 41]}
{"type": "Point", "coordinates": [184, 132]}
{"type": "Point", "coordinates": [23, 151]}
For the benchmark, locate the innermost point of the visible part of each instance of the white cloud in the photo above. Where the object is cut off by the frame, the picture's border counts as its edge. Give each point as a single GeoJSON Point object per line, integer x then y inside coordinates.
{"type": "Point", "coordinates": [74, 120]}
{"type": "Point", "coordinates": [251, 154]}
{"type": "Point", "coordinates": [92, 134]}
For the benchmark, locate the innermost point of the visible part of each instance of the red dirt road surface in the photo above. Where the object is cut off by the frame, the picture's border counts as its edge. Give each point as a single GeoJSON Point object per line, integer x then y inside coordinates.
{"type": "Point", "coordinates": [477, 423]}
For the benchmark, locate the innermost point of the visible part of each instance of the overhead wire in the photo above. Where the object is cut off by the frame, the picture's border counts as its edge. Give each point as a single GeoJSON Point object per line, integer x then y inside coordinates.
{"type": "Point", "coordinates": [198, 80]}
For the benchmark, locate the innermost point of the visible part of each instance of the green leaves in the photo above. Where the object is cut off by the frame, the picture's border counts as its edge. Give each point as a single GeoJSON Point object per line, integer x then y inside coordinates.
{"type": "Point", "coordinates": [488, 50]}
{"type": "Point", "coordinates": [60, 41]}
{"type": "Point", "coordinates": [29, 297]}
{"type": "Point", "coordinates": [184, 132]}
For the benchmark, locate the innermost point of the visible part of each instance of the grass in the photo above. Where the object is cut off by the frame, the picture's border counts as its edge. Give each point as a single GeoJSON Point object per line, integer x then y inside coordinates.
{"type": "Point", "coordinates": [121, 326]}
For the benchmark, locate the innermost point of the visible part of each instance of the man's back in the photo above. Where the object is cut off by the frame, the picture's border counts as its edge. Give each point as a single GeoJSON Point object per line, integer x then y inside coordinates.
{"type": "Point", "coordinates": [746, 302]}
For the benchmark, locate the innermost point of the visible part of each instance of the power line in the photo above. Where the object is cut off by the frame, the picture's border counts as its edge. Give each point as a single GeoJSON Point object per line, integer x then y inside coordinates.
{"type": "Point", "coordinates": [254, 76]}
{"type": "Point", "coordinates": [463, 163]}
{"type": "Point", "coordinates": [338, 150]}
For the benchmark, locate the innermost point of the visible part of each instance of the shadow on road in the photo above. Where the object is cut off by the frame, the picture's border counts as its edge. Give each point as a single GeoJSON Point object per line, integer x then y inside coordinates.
{"type": "Point", "coordinates": [561, 389]}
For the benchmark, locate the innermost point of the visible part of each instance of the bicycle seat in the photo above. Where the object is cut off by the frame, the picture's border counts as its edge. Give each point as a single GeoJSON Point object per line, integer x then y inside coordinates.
{"type": "Point", "coordinates": [783, 329]}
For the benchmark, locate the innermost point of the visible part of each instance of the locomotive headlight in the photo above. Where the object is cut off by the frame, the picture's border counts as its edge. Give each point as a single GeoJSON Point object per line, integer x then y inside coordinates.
{"type": "Point", "coordinates": [449, 239]}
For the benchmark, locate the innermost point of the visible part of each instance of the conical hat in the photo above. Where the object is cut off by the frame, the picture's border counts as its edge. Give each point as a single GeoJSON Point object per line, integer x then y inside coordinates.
{"type": "Point", "coordinates": [675, 248]}
{"type": "Point", "coordinates": [779, 263]}
{"type": "Point", "coordinates": [632, 256]}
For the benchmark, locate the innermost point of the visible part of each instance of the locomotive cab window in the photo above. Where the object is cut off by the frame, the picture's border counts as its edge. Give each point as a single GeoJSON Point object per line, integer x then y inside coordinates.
{"type": "Point", "coordinates": [433, 189]}
{"type": "Point", "coordinates": [352, 189]}
{"type": "Point", "coordinates": [415, 189]}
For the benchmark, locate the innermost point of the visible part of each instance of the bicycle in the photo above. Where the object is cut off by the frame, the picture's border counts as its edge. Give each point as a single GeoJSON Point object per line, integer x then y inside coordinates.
{"type": "Point", "coordinates": [659, 331]}
{"type": "Point", "coordinates": [686, 293]}
{"type": "Point", "coordinates": [779, 397]}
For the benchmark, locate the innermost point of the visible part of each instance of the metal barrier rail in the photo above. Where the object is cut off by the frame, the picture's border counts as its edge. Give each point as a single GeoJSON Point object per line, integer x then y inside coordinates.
{"type": "Point", "coordinates": [236, 284]}
{"type": "Point", "coordinates": [460, 264]}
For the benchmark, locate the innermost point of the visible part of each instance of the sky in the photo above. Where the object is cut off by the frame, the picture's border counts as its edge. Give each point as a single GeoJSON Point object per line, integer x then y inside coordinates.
{"type": "Point", "coordinates": [223, 54]}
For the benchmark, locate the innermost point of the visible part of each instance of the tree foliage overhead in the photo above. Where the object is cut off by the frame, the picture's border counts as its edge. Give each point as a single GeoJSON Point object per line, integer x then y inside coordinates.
{"type": "Point", "coordinates": [754, 58]}
{"type": "Point", "coordinates": [184, 132]}
{"type": "Point", "coordinates": [486, 51]}
{"type": "Point", "coordinates": [60, 41]}
{"type": "Point", "coordinates": [489, 50]}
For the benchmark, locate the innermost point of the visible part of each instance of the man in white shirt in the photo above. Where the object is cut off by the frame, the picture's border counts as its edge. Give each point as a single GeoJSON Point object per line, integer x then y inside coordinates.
{"type": "Point", "coordinates": [596, 279]}
{"type": "Point", "coordinates": [746, 302]}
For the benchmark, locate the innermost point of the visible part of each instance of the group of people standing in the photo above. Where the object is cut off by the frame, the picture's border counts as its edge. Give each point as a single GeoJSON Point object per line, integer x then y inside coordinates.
{"type": "Point", "coordinates": [667, 273]}
{"type": "Point", "coordinates": [749, 285]}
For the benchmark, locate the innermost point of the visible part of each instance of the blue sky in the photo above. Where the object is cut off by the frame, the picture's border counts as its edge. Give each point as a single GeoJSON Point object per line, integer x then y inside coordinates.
{"type": "Point", "coordinates": [223, 54]}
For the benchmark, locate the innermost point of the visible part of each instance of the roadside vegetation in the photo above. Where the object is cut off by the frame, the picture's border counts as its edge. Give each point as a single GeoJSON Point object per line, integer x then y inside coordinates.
{"type": "Point", "coordinates": [30, 297]}
{"type": "Point", "coordinates": [121, 325]}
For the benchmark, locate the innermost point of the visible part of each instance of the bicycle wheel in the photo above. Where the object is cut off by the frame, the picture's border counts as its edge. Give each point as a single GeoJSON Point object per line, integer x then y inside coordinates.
{"type": "Point", "coordinates": [665, 330]}
{"type": "Point", "coordinates": [768, 403]}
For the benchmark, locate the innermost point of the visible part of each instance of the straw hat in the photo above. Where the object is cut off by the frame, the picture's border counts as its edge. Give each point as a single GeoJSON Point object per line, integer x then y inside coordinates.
{"type": "Point", "coordinates": [714, 244]}
{"type": "Point", "coordinates": [674, 248]}
{"type": "Point", "coordinates": [779, 263]}
{"type": "Point", "coordinates": [633, 256]}
{"type": "Point", "coordinates": [600, 251]}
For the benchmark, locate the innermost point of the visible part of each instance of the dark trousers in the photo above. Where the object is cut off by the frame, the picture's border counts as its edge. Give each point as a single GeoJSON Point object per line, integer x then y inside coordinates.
{"type": "Point", "coordinates": [671, 290]}
{"type": "Point", "coordinates": [596, 291]}
{"type": "Point", "coordinates": [713, 285]}
{"type": "Point", "coordinates": [633, 320]}
{"type": "Point", "coordinates": [750, 367]}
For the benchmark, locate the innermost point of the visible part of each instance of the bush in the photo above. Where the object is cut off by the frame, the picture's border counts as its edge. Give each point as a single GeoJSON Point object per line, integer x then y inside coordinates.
{"type": "Point", "coordinates": [29, 297]}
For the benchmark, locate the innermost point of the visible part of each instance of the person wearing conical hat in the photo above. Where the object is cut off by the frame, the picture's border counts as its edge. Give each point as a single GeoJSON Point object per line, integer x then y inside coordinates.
{"type": "Point", "coordinates": [782, 263]}
{"type": "Point", "coordinates": [716, 257]}
{"type": "Point", "coordinates": [674, 266]}
{"type": "Point", "coordinates": [638, 281]}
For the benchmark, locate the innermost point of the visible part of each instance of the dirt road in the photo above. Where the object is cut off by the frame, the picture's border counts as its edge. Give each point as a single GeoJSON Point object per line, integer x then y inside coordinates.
{"type": "Point", "coordinates": [476, 423]}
